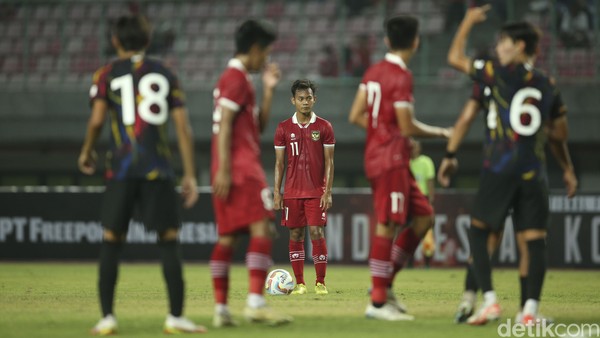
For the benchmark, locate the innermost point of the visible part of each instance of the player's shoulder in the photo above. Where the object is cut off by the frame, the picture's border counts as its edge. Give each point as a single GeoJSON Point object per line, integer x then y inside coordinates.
{"type": "Point", "coordinates": [286, 123]}
{"type": "Point", "coordinates": [323, 121]}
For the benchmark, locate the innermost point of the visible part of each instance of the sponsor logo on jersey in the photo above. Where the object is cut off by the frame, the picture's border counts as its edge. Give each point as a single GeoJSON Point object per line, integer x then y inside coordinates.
{"type": "Point", "coordinates": [316, 135]}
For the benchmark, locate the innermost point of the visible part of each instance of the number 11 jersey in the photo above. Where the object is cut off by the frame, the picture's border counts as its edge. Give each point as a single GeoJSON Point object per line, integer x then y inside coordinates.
{"type": "Point", "coordinates": [304, 146]}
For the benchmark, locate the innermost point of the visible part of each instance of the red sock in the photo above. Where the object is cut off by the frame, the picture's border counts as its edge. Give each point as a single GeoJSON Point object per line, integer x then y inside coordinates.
{"type": "Point", "coordinates": [220, 260]}
{"type": "Point", "coordinates": [403, 249]}
{"type": "Point", "coordinates": [319, 255]}
{"type": "Point", "coordinates": [258, 261]}
{"type": "Point", "coordinates": [297, 260]}
{"type": "Point", "coordinates": [381, 268]}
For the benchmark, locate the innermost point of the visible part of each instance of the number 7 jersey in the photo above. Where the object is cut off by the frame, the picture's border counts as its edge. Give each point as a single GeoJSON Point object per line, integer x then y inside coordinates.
{"type": "Point", "coordinates": [140, 93]}
{"type": "Point", "coordinates": [389, 85]}
{"type": "Point", "coordinates": [521, 101]}
{"type": "Point", "coordinates": [304, 146]}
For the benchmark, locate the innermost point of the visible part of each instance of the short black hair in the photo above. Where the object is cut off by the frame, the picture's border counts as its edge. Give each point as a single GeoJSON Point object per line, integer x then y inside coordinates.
{"type": "Point", "coordinates": [251, 32]}
{"type": "Point", "coordinates": [303, 84]}
{"type": "Point", "coordinates": [133, 32]}
{"type": "Point", "coordinates": [525, 32]}
{"type": "Point", "coordinates": [401, 31]}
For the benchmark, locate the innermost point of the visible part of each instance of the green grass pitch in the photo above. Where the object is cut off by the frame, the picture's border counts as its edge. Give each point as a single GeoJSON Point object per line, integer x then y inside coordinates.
{"type": "Point", "coordinates": [59, 300]}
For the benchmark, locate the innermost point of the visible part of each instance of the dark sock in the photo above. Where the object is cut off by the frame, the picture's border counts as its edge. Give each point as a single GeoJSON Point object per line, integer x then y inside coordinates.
{"type": "Point", "coordinates": [172, 272]}
{"type": "Point", "coordinates": [470, 280]}
{"type": "Point", "coordinates": [523, 281]}
{"type": "Point", "coordinates": [481, 259]}
{"type": "Point", "coordinates": [537, 268]}
{"type": "Point", "coordinates": [107, 274]}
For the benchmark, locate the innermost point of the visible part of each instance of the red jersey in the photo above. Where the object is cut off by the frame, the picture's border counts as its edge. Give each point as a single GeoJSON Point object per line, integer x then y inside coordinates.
{"type": "Point", "coordinates": [389, 85]}
{"type": "Point", "coordinates": [235, 91]}
{"type": "Point", "coordinates": [304, 145]}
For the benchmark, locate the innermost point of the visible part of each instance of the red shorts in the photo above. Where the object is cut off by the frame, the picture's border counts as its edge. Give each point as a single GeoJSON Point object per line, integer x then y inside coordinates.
{"type": "Point", "coordinates": [300, 212]}
{"type": "Point", "coordinates": [397, 196]}
{"type": "Point", "coordinates": [245, 204]}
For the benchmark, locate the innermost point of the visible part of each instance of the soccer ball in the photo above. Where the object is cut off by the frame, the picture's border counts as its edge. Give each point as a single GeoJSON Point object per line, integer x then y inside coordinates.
{"type": "Point", "coordinates": [279, 282]}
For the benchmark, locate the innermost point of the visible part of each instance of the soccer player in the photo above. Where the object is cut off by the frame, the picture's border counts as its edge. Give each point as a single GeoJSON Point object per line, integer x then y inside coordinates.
{"type": "Point", "coordinates": [140, 96]}
{"type": "Point", "coordinates": [241, 199]}
{"type": "Point", "coordinates": [479, 100]}
{"type": "Point", "coordinates": [384, 107]}
{"type": "Point", "coordinates": [524, 109]}
{"type": "Point", "coordinates": [308, 141]}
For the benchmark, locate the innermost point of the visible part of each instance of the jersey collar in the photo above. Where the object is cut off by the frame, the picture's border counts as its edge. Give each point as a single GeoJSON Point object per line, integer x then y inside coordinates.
{"type": "Point", "coordinates": [237, 64]}
{"type": "Point", "coordinates": [393, 58]}
{"type": "Point", "coordinates": [313, 118]}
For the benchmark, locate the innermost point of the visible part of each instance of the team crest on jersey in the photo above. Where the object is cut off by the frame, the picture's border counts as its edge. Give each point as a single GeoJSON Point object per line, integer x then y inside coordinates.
{"type": "Point", "coordinates": [293, 136]}
{"type": "Point", "coordinates": [316, 135]}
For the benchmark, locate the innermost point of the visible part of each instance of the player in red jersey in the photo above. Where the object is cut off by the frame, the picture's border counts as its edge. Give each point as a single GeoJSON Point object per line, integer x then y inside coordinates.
{"type": "Point", "coordinates": [384, 107]}
{"type": "Point", "coordinates": [309, 142]}
{"type": "Point", "coordinates": [140, 96]}
{"type": "Point", "coordinates": [241, 199]}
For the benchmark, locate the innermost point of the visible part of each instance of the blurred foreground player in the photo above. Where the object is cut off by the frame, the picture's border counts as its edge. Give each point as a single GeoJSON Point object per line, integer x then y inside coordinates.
{"type": "Point", "coordinates": [140, 96]}
{"type": "Point", "coordinates": [523, 112]}
{"type": "Point", "coordinates": [383, 106]}
{"type": "Point", "coordinates": [241, 198]}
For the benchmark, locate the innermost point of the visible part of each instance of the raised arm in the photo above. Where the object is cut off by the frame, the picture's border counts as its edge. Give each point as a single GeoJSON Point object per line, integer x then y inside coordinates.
{"type": "Point", "coordinates": [185, 140]}
{"type": "Point", "coordinates": [87, 156]}
{"type": "Point", "coordinates": [358, 112]}
{"type": "Point", "coordinates": [457, 57]}
{"type": "Point", "coordinates": [270, 79]}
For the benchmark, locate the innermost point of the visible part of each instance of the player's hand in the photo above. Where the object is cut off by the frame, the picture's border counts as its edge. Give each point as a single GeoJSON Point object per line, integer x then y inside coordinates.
{"type": "Point", "coordinates": [87, 162]}
{"type": "Point", "coordinates": [271, 75]}
{"type": "Point", "coordinates": [277, 201]}
{"type": "Point", "coordinates": [477, 14]}
{"type": "Point", "coordinates": [570, 182]}
{"type": "Point", "coordinates": [222, 184]}
{"type": "Point", "coordinates": [326, 201]}
{"type": "Point", "coordinates": [189, 191]}
{"type": "Point", "coordinates": [447, 168]}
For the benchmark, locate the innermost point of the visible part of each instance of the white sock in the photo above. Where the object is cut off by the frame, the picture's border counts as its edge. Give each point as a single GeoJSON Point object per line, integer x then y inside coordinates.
{"type": "Point", "coordinates": [531, 307]}
{"type": "Point", "coordinates": [469, 296]}
{"type": "Point", "coordinates": [255, 300]}
{"type": "Point", "coordinates": [221, 308]}
{"type": "Point", "coordinates": [489, 298]}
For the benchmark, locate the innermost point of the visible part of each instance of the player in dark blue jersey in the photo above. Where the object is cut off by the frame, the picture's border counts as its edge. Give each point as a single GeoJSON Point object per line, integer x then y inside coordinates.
{"type": "Point", "coordinates": [525, 111]}
{"type": "Point", "coordinates": [479, 101]}
{"type": "Point", "coordinates": [140, 96]}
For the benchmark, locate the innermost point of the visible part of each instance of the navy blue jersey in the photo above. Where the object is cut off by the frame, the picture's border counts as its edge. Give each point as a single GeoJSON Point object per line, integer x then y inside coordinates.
{"type": "Point", "coordinates": [520, 102]}
{"type": "Point", "coordinates": [140, 93]}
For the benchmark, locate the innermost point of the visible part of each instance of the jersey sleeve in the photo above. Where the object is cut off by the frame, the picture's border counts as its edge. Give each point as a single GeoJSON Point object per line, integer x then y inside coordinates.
{"type": "Point", "coordinates": [402, 95]}
{"type": "Point", "coordinates": [558, 107]}
{"type": "Point", "coordinates": [233, 91]}
{"type": "Point", "coordinates": [482, 71]}
{"type": "Point", "coordinates": [99, 88]}
{"type": "Point", "coordinates": [329, 137]}
{"type": "Point", "coordinates": [176, 95]}
{"type": "Point", "coordinates": [279, 140]}
{"type": "Point", "coordinates": [477, 91]}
